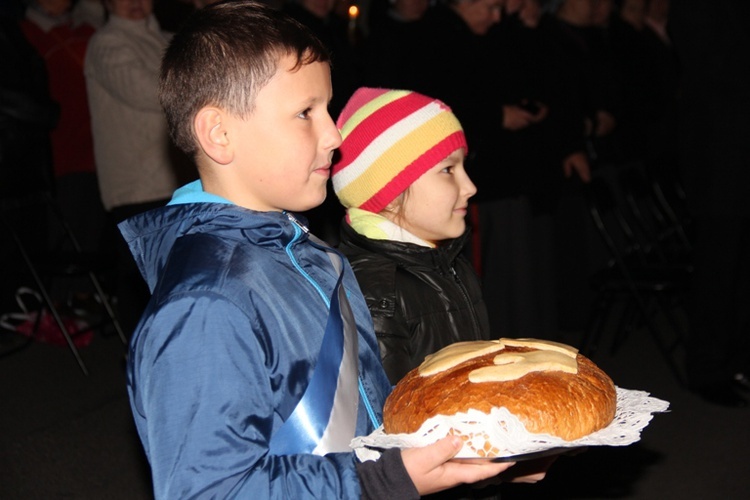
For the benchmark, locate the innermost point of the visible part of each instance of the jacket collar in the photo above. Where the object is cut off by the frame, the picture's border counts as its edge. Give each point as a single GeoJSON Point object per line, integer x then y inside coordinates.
{"type": "Point", "coordinates": [151, 235]}
{"type": "Point", "coordinates": [400, 252]}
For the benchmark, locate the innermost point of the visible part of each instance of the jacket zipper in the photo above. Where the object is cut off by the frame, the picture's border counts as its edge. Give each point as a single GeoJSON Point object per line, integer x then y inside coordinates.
{"type": "Point", "coordinates": [300, 228]}
{"type": "Point", "coordinates": [465, 295]}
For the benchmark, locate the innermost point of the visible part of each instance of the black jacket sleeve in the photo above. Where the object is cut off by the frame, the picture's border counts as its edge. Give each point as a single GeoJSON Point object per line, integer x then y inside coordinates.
{"type": "Point", "coordinates": [386, 478]}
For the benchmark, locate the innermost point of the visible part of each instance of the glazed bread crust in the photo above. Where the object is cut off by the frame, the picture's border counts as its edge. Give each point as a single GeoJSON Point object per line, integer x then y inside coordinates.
{"type": "Point", "coordinates": [565, 405]}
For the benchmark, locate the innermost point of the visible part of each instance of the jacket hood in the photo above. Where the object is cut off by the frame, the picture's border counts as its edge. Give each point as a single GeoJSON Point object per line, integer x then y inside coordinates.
{"type": "Point", "coordinates": [151, 235]}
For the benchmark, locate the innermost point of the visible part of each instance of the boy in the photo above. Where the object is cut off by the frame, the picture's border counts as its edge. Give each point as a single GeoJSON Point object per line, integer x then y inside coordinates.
{"type": "Point", "coordinates": [225, 367]}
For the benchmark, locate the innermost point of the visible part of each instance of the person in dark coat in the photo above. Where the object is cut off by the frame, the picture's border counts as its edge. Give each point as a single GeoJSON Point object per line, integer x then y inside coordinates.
{"type": "Point", "coordinates": [393, 32]}
{"type": "Point", "coordinates": [27, 116]}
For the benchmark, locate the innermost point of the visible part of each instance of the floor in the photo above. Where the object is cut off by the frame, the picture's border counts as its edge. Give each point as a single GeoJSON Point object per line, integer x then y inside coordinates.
{"type": "Point", "coordinates": [66, 435]}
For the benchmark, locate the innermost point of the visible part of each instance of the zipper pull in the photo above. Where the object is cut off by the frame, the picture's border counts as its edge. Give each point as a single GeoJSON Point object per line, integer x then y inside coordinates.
{"type": "Point", "coordinates": [455, 275]}
{"type": "Point", "coordinates": [293, 219]}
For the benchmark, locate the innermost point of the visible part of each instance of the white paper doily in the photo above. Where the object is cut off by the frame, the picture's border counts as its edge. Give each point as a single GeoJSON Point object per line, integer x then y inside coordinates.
{"type": "Point", "coordinates": [501, 434]}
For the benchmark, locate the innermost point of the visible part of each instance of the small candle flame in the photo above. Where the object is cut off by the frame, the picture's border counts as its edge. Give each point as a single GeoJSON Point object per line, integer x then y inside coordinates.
{"type": "Point", "coordinates": [353, 12]}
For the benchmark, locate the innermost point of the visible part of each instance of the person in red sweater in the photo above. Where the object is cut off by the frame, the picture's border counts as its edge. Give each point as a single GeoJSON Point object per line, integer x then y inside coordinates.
{"type": "Point", "coordinates": [49, 27]}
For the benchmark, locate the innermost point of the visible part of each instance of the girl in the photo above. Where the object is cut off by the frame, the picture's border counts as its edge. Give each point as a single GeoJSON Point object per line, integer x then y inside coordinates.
{"type": "Point", "coordinates": [401, 178]}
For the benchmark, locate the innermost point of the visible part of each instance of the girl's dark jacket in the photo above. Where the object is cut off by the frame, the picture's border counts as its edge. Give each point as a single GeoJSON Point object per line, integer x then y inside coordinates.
{"type": "Point", "coordinates": [421, 299]}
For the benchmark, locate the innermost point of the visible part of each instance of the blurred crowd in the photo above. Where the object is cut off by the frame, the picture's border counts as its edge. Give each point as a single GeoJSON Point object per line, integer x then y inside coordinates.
{"type": "Point", "coordinates": [550, 93]}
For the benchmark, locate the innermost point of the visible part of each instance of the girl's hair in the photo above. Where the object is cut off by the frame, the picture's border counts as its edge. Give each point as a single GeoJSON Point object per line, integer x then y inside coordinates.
{"type": "Point", "coordinates": [222, 56]}
{"type": "Point", "coordinates": [396, 207]}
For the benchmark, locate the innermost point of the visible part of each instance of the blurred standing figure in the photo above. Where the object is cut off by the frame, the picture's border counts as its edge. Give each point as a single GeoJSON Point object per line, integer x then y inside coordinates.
{"type": "Point", "coordinates": [48, 25]}
{"type": "Point", "coordinates": [89, 12]}
{"type": "Point", "coordinates": [636, 74]}
{"type": "Point", "coordinates": [587, 56]}
{"type": "Point", "coordinates": [712, 40]}
{"type": "Point", "coordinates": [460, 34]}
{"type": "Point", "coordinates": [393, 29]}
{"type": "Point", "coordinates": [649, 72]}
{"type": "Point", "coordinates": [136, 165]}
{"type": "Point", "coordinates": [522, 190]}
{"type": "Point", "coordinates": [27, 115]}
{"type": "Point", "coordinates": [657, 16]}
{"type": "Point", "coordinates": [662, 152]}
{"type": "Point", "coordinates": [171, 14]}
{"type": "Point", "coordinates": [580, 98]}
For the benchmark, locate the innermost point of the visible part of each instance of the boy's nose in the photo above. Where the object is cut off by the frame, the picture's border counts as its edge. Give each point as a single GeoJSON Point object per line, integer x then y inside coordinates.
{"type": "Point", "coordinates": [331, 135]}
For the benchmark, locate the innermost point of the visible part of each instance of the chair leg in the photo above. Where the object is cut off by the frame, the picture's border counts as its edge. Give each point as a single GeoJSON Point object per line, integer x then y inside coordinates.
{"type": "Point", "coordinates": [665, 350]}
{"type": "Point", "coordinates": [108, 307]}
{"type": "Point", "coordinates": [49, 303]}
{"type": "Point", "coordinates": [92, 276]}
{"type": "Point", "coordinates": [680, 334]}
{"type": "Point", "coordinates": [628, 319]}
{"type": "Point", "coordinates": [595, 325]}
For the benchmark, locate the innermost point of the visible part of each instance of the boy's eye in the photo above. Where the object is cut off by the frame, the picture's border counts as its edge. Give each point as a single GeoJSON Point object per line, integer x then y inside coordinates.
{"type": "Point", "coordinates": [447, 170]}
{"type": "Point", "coordinates": [305, 114]}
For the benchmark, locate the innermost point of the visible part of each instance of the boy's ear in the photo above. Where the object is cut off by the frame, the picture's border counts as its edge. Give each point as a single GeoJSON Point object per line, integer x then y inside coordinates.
{"type": "Point", "coordinates": [211, 132]}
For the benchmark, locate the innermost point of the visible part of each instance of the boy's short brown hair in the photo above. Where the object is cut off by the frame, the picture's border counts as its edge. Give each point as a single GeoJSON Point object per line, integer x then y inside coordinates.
{"type": "Point", "coordinates": [222, 56]}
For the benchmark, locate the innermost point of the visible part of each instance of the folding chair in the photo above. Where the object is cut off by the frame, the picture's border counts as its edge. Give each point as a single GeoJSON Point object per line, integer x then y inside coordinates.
{"type": "Point", "coordinates": [47, 264]}
{"type": "Point", "coordinates": [671, 197]}
{"type": "Point", "coordinates": [662, 236]}
{"type": "Point", "coordinates": [645, 292]}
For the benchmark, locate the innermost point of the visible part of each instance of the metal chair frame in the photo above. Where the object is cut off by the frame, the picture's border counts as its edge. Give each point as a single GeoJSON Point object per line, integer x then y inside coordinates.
{"type": "Point", "coordinates": [646, 291]}
{"type": "Point", "coordinates": [43, 268]}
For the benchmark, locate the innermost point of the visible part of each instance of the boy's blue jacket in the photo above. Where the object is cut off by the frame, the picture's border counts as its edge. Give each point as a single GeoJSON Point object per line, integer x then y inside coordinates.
{"type": "Point", "coordinates": [225, 349]}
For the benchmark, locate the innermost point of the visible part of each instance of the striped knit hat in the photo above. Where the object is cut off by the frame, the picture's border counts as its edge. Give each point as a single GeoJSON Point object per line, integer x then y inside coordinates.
{"type": "Point", "coordinates": [390, 138]}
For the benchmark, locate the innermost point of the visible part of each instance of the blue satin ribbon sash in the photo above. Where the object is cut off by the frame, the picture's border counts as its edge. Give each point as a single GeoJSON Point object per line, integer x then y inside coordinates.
{"type": "Point", "coordinates": [325, 419]}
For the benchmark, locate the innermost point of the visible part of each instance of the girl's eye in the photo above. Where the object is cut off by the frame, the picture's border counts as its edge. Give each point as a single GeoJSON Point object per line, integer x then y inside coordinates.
{"type": "Point", "coordinates": [447, 170]}
{"type": "Point", "coordinates": [305, 114]}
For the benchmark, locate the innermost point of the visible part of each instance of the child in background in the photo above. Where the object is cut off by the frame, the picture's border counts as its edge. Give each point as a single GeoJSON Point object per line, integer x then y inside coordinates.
{"type": "Point", "coordinates": [401, 177]}
{"type": "Point", "coordinates": [255, 362]}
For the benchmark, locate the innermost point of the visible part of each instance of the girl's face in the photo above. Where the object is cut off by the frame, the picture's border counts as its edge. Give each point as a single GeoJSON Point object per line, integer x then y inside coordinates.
{"type": "Point", "coordinates": [434, 207]}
